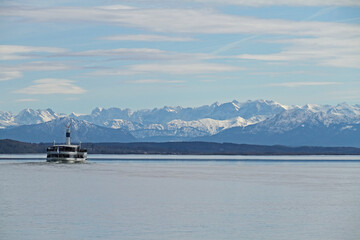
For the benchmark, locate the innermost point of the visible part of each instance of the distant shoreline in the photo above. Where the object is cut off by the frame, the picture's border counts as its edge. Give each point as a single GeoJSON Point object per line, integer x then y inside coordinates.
{"type": "Point", "coordinates": [98, 158]}
{"type": "Point", "coordinates": [8, 146]}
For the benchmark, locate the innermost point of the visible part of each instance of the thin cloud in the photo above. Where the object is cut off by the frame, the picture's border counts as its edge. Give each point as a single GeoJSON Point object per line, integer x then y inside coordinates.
{"type": "Point", "coordinates": [8, 75]}
{"type": "Point", "coordinates": [154, 81]}
{"type": "Point", "coordinates": [261, 3]}
{"type": "Point", "coordinates": [281, 73]}
{"type": "Point", "coordinates": [321, 12]}
{"type": "Point", "coordinates": [335, 51]}
{"type": "Point", "coordinates": [251, 3]}
{"type": "Point", "coordinates": [348, 95]}
{"type": "Point", "coordinates": [38, 66]}
{"type": "Point", "coordinates": [72, 99]}
{"type": "Point", "coordinates": [198, 21]}
{"type": "Point", "coordinates": [302, 84]}
{"type": "Point", "coordinates": [18, 52]}
{"type": "Point", "coordinates": [183, 21]}
{"type": "Point", "coordinates": [48, 86]}
{"type": "Point", "coordinates": [8, 72]}
{"type": "Point", "coordinates": [195, 68]}
{"type": "Point", "coordinates": [234, 44]}
{"type": "Point", "coordinates": [171, 68]}
{"type": "Point", "coordinates": [27, 100]}
{"type": "Point", "coordinates": [147, 38]}
{"type": "Point", "coordinates": [126, 52]}
{"type": "Point", "coordinates": [116, 7]}
{"type": "Point", "coordinates": [137, 54]}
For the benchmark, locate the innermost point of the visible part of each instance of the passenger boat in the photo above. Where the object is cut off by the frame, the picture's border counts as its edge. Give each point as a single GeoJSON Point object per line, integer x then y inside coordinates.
{"type": "Point", "coordinates": [66, 153]}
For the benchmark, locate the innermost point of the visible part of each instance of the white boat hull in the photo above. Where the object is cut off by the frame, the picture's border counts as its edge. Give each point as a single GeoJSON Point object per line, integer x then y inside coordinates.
{"type": "Point", "coordinates": [66, 153]}
{"type": "Point", "coordinates": [66, 160]}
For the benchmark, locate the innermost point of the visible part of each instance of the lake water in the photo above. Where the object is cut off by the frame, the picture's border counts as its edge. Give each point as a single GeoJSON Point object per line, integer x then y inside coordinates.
{"type": "Point", "coordinates": [174, 197]}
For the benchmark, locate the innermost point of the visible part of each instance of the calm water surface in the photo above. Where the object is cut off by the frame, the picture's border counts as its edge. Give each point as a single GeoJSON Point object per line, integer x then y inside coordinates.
{"type": "Point", "coordinates": [160, 199]}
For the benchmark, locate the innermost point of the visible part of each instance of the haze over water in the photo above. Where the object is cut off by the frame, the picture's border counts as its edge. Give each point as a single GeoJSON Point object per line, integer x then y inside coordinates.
{"type": "Point", "coordinates": [180, 200]}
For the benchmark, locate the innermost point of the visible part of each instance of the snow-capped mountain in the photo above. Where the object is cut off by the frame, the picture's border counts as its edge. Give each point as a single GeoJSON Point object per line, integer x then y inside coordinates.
{"type": "Point", "coordinates": [246, 110]}
{"type": "Point", "coordinates": [6, 119]}
{"type": "Point", "coordinates": [256, 122]}
{"type": "Point", "coordinates": [55, 131]}
{"type": "Point", "coordinates": [26, 117]}
{"type": "Point", "coordinates": [310, 115]}
{"type": "Point", "coordinates": [166, 114]}
{"type": "Point", "coordinates": [184, 122]}
{"type": "Point", "coordinates": [181, 128]}
{"type": "Point", "coordinates": [308, 125]}
{"type": "Point", "coordinates": [30, 116]}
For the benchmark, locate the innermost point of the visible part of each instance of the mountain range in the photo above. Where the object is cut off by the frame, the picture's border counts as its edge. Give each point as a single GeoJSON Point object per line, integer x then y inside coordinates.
{"type": "Point", "coordinates": [252, 122]}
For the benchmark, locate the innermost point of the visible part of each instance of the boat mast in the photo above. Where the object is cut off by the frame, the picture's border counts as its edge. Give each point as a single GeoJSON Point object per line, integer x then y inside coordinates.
{"type": "Point", "coordinates": [68, 135]}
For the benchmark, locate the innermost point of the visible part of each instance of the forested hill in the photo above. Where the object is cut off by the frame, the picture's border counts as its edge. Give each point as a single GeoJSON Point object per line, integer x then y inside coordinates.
{"type": "Point", "coordinates": [12, 146]}
{"type": "Point", "coordinates": [187, 148]}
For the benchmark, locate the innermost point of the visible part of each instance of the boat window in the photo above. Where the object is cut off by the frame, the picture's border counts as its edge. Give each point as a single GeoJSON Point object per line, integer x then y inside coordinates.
{"type": "Point", "coordinates": [51, 148]}
{"type": "Point", "coordinates": [67, 149]}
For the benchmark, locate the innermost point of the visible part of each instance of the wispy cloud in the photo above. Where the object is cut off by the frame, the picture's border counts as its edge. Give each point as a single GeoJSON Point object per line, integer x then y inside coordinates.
{"type": "Point", "coordinates": [321, 12]}
{"type": "Point", "coordinates": [324, 43]}
{"type": "Point", "coordinates": [259, 3]}
{"type": "Point", "coordinates": [123, 52]}
{"type": "Point", "coordinates": [329, 51]}
{"type": "Point", "coordinates": [154, 81]}
{"type": "Point", "coordinates": [8, 72]}
{"type": "Point", "coordinates": [137, 54]}
{"type": "Point", "coordinates": [182, 21]}
{"type": "Point", "coordinates": [233, 44]}
{"type": "Point", "coordinates": [47, 66]}
{"type": "Point", "coordinates": [302, 84]}
{"type": "Point", "coordinates": [116, 7]}
{"type": "Point", "coordinates": [39, 66]}
{"type": "Point", "coordinates": [251, 3]}
{"type": "Point", "coordinates": [8, 75]}
{"type": "Point", "coordinates": [281, 73]}
{"type": "Point", "coordinates": [72, 99]}
{"type": "Point", "coordinates": [147, 37]}
{"type": "Point", "coordinates": [27, 100]}
{"type": "Point", "coordinates": [342, 95]}
{"type": "Point", "coordinates": [184, 68]}
{"type": "Point", "coordinates": [48, 86]}
{"type": "Point", "coordinates": [171, 68]}
{"type": "Point", "coordinates": [17, 52]}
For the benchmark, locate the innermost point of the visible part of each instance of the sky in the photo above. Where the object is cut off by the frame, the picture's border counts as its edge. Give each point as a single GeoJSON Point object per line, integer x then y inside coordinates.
{"type": "Point", "coordinates": [73, 56]}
